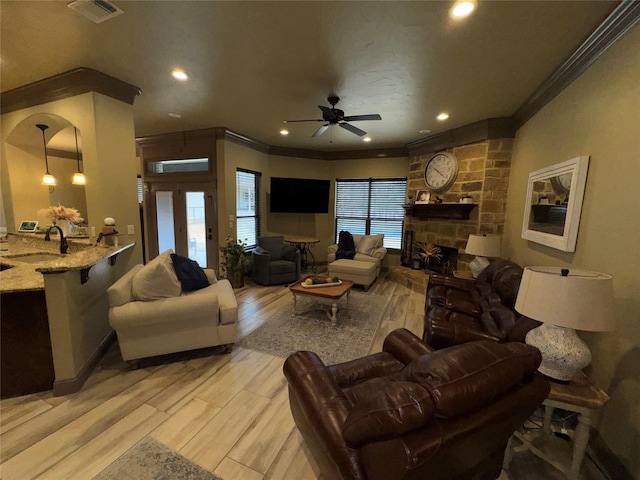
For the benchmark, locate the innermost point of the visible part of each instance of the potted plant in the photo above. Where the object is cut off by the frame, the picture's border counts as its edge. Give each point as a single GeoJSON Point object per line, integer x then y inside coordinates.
{"type": "Point", "coordinates": [410, 198]}
{"type": "Point", "coordinates": [233, 261]}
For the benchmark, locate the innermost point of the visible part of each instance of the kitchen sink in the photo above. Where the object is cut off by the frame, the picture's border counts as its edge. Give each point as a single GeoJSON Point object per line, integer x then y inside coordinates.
{"type": "Point", "coordinates": [34, 257]}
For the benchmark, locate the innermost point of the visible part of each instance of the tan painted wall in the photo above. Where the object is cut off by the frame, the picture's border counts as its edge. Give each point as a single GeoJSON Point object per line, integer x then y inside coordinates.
{"type": "Point", "coordinates": [597, 115]}
{"type": "Point", "coordinates": [309, 225]}
{"type": "Point", "coordinates": [109, 162]}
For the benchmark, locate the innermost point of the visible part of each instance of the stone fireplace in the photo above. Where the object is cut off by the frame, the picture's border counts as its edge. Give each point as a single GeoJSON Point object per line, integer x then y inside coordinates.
{"type": "Point", "coordinates": [484, 169]}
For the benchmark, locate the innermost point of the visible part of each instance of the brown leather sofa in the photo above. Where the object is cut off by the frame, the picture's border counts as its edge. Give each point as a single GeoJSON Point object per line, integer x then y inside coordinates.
{"type": "Point", "coordinates": [409, 412]}
{"type": "Point", "coordinates": [458, 310]}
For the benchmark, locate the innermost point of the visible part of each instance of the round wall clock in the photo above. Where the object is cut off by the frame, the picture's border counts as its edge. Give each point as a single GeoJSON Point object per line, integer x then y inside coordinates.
{"type": "Point", "coordinates": [441, 171]}
{"type": "Point", "coordinates": [562, 183]}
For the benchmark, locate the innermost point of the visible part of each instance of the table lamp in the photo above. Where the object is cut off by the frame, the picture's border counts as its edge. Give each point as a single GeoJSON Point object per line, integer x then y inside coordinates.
{"type": "Point", "coordinates": [564, 300]}
{"type": "Point", "coordinates": [482, 246]}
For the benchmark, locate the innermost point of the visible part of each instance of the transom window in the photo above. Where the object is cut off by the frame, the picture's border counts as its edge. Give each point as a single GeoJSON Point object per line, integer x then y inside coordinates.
{"type": "Point", "coordinates": [371, 206]}
{"type": "Point", "coordinates": [187, 165]}
{"type": "Point", "coordinates": [248, 206]}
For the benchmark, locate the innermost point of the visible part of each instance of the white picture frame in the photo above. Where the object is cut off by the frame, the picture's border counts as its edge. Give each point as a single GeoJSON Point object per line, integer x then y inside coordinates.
{"type": "Point", "coordinates": [554, 222]}
{"type": "Point", "coordinates": [423, 196]}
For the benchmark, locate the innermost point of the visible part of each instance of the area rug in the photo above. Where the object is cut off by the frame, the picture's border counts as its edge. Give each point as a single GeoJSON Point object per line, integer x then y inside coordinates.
{"type": "Point", "coordinates": [311, 330]}
{"type": "Point", "coordinates": [150, 460]}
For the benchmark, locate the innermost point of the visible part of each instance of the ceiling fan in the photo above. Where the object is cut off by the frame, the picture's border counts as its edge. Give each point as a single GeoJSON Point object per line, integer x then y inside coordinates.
{"type": "Point", "coordinates": [335, 116]}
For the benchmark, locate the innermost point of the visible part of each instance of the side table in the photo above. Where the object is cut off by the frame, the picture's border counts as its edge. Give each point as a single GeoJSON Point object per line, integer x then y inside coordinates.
{"type": "Point", "coordinates": [579, 396]}
{"type": "Point", "coordinates": [304, 244]}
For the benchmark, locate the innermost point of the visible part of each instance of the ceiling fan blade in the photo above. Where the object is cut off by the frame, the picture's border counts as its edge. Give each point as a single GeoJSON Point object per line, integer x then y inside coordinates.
{"type": "Point", "coordinates": [353, 129]}
{"type": "Point", "coordinates": [321, 130]}
{"type": "Point", "coordinates": [295, 121]}
{"type": "Point", "coordinates": [372, 116]}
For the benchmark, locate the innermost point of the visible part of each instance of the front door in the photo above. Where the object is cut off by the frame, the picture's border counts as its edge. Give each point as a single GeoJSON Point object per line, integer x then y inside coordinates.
{"type": "Point", "coordinates": [183, 218]}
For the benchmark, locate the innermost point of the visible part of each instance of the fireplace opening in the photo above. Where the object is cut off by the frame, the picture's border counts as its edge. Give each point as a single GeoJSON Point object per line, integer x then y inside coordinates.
{"type": "Point", "coordinates": [444, 262]}
{"type": "Point", "coordinates": [437, 258]}
{"type": "Point", "coordinates": [425, 256]}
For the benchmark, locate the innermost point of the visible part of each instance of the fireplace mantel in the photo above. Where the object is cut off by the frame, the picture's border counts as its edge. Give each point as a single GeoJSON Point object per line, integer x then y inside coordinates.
{"type": "Point", "coordinates": [457, 211]}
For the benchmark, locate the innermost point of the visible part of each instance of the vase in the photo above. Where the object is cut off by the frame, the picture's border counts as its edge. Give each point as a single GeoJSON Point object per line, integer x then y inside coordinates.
{"type": "Point", "coordinates": [236, 278]}
{"type": "Point", "coordinates": [62, 224]}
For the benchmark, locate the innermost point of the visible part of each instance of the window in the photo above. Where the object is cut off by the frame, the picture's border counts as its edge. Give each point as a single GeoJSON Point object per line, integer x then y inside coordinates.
{"type": "Point", "coordinates": [248, 206]}
{"type": "Point", "coordinates": [371, 206]}
{"type": "Point", "coordinates": [187, 165]}
{"type": "Point", "coordinates": [140, 190]}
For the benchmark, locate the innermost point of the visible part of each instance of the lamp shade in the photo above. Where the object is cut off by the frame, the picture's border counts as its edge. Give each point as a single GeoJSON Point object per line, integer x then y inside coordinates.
{"type": "Point", "coordinates": [483, 245]}
{"type": "Point", "coordinates": [578, 299]}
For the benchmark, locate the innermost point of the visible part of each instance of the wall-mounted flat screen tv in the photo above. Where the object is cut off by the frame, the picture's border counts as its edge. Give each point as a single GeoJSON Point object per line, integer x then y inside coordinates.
{"type": "Point", "coordinates": [299, 195]}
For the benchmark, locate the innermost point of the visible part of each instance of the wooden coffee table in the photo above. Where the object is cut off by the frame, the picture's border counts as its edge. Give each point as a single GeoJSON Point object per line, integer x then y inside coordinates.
{"type": "Point", "coordinates": [329, 295]}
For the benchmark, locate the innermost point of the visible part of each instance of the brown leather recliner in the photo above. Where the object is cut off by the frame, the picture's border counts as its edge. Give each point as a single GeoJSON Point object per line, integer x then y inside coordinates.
{"type": "Point", "coordinates": [409, 412]}
{"type": "Point", "coordinates": [459, 310]}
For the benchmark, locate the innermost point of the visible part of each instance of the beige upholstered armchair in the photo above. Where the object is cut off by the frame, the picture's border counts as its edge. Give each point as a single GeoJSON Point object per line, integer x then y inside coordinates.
{"type": "Point", "coordinates": [369, 248]}
{"type": "Point", "coordinates": [152, 315]}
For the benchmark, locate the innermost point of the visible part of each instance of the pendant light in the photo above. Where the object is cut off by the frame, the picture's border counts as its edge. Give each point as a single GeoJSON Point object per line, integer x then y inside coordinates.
{"type": "Point", "coordinates": [78, 177]}
{"type": "Point", "coordinates": [47, 178]}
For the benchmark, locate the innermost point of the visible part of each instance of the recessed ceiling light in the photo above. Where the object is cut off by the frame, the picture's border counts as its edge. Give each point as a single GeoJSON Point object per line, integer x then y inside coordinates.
{"type": "Point", "coordinates": [284, 132]}
{"type": "Point", "coordinates": [175, 115]}
{"type": "Point", "coordinates": [366, 139]}
{"type": "Point", "coordinates": [442, 116]}
{"type": "Point", "coordinates": [426, 130]}
{"type": "Point", "coordinates": [463, 8]}
{"type": "Point", "coordinates": [179, 74]}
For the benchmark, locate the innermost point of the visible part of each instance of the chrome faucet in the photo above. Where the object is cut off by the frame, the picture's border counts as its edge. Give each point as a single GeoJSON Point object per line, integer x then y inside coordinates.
{"type": "Point", "coordinates": [64, 245]}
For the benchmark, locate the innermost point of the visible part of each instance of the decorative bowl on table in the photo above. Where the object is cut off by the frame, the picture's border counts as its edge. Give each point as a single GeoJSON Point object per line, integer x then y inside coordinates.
{"type": "Point", "coordinates": [315, 282]}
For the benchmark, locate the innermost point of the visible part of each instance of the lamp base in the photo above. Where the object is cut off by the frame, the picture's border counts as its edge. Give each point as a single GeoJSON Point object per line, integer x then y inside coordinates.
{"type": "Point", "coordinates": [564, 353]}
{"type": "Point", "coordinates": [477, 265]}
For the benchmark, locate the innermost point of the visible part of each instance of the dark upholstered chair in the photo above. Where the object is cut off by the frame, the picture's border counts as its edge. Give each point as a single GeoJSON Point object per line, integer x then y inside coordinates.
{"type": "Point", "coordinates": [458, 310]}
{"type": "Point", "coordinates": [275, 262]}
{"type": "Point", "coordinates": [412, 413]}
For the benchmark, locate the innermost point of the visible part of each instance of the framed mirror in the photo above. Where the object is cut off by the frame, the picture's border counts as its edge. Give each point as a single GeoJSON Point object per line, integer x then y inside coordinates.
{"type": "Point", "coordinates": [553, 204]}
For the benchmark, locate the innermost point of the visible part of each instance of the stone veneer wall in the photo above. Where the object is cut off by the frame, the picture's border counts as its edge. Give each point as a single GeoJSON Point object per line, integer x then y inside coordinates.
{"type": "Point", "coordinates": [483, 174]}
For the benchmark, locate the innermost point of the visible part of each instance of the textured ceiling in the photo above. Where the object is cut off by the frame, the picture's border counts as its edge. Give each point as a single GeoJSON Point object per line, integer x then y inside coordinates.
{"type": "Point", "coordinates": [253, 65]}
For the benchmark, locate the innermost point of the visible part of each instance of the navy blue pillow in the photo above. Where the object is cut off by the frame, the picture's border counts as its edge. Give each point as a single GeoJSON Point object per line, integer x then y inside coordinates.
{"type": "Point", "coordinates": [191, 276]}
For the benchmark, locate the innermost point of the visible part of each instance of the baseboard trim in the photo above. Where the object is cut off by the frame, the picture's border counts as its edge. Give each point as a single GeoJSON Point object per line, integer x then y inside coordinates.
{"type": "Point", "coordinates": [605, 459]}
{"type": "Point", "coordinates": [73, 385]}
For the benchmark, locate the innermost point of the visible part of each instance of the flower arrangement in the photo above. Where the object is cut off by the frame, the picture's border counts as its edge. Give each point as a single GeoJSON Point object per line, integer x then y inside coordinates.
{"type": "Point", "coordinates": [426, 250]}
{"type": "Point", "coordinates": [233, 259]}
{"type": "Point", "coordinates": [61, 213]}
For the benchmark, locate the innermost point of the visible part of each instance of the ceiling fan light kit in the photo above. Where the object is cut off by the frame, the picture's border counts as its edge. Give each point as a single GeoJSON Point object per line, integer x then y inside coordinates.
{"type": "Point", "coordinates": [335, 116]}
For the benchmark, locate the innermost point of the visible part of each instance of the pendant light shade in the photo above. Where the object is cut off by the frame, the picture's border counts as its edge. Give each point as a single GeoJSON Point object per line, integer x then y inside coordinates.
{"type": "Point", "coordinates": [47, 178]}
{"type": "Point", "coordinates": [78, 177]}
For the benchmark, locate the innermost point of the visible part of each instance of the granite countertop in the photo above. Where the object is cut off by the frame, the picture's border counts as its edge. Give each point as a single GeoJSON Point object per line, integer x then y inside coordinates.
{"type": "Point", "coordinates": [20, 276]}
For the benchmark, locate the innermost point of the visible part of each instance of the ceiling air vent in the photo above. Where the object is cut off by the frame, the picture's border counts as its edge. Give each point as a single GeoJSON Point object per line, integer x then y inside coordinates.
{"type": "Point", "coordinates": [95, 10]}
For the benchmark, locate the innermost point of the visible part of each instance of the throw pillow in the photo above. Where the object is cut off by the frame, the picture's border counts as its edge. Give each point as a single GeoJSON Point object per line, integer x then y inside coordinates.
{"type": "Point", "coordinates": [368, 244]}
{"type": "Point", "coordinates": [156, 280]}
{"type": "Point", "coordinates": [191, 276]}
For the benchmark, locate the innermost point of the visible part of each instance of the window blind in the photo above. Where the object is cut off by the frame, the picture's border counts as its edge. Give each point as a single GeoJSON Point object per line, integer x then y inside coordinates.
{"type": "Point", "coordinates": [247, 207]}
{"type": "Point", "coordinates": [371, 206]}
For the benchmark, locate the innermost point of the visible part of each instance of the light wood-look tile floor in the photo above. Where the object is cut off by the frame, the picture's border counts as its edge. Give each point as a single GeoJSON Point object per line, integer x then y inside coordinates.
{"type": "Point", "coordinates": [227, 413]}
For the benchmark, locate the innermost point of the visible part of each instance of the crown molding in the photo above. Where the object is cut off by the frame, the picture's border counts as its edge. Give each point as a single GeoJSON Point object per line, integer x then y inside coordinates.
{"type": "Point", "coordinates": [64, 85]}
{"type": "Point", "coordinates": [54, 152]}
{"type": "Point", "coordinates": [487, 129]}
{"type": "Point", "coordinates": [339, 155]}
{"type": "Point", "coordinates": [239, 139]}
{"type": "Point", "coordinates": [623, 18]}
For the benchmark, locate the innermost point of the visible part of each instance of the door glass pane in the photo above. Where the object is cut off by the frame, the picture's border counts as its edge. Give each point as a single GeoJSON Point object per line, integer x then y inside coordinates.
{"type": "Point", "coordinates": [196, 228]}
{"type": "Point", "coordinates": [166, 229]}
